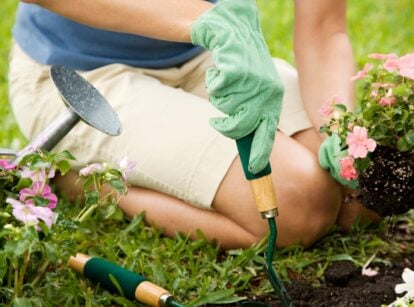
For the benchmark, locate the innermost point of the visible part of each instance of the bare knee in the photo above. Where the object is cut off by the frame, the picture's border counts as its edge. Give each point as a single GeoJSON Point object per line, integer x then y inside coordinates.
{"type": "Point", "coordinates": [313, 212]}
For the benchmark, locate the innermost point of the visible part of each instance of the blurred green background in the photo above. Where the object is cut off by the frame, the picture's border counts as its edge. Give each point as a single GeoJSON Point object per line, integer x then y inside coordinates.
{"type": "Point", "coordinates": [381, 26]}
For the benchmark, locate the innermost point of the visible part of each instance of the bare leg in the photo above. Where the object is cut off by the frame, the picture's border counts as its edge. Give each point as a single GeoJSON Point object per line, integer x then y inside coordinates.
{"type": "Point", "coordinates": [308, 203]}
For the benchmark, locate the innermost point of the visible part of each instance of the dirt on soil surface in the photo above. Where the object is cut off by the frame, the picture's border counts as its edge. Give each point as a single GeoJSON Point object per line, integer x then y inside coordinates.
{"type": "Point", "coordinates": [344, 285]}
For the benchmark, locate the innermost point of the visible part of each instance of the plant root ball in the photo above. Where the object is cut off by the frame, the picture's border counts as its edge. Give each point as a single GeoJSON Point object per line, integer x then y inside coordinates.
{"type": "Point", "coordinates": [387, 185]}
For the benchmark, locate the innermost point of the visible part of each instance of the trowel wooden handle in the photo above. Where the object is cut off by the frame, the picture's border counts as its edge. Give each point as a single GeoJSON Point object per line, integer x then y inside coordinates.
{"type": "Point", "coordinates": [261, 183]}
{"type": "Point", "coordinates": [134, 286]}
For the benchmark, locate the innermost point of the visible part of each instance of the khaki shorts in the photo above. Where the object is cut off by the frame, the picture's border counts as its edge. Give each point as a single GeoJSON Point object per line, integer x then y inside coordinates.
{"type": "Point", "coordinates": [164, 113]}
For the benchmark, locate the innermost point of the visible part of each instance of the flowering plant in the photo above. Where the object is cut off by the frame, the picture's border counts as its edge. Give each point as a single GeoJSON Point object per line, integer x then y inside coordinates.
{"type": "Point", "coordinates": [377, 139]}
{"type": "Point", "coordinates": [36, 234]}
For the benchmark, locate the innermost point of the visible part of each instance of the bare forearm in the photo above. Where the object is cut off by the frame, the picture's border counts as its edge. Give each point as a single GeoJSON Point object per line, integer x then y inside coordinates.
{"type": "Point", "coordinates": [325, 69]}
{"type": "Point", "coordinates": [323, 54]}
{"type": "Point", "coordinates": [162, 19]}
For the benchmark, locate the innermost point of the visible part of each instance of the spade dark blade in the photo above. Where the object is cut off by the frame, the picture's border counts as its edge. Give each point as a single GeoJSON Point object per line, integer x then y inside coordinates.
{"type": "Point", "coordinates": [85, 100]}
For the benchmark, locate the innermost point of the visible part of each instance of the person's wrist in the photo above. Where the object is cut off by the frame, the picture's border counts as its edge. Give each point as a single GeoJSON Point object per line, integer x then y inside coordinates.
{"type": "Point", "coordinates": [200, 9]}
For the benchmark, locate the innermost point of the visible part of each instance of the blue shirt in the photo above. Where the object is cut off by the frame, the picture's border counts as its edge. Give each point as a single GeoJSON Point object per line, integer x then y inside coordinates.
{"type": "Point", "coordinates": [54, 40]}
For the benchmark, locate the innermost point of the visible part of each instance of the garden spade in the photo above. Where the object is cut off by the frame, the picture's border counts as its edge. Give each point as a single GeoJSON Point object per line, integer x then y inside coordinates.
{"type": "Point", "coordinates": [84, 103]}
{"type": "Point", "coordinates": [265, 198]}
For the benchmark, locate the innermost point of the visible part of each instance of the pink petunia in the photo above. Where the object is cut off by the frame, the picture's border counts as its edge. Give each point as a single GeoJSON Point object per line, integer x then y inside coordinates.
{"type": "Point", "coordinates": [387, 101]}
{"type": "Point", "coordinates": [39, 189]}
{"type": "Point", "coordinates": [126, 166]}
{"type": "Point", "coordinates": [392, 65]}
{"type": "Point", "coordinates": [30, 214]}
{"type": "Point", "coordinates": [407, 66]}
{"type": "Point", "coordinates": [348, 170]}
{"type": "Point", "coordinates": [382, 56]}
{"type": "Point", "coordinates": [35, 145]}
{"type": "Point", "coordinates": [359, 143]}
{"type": "Point", "coordinates": [90, 169]}
{"type": "Point", "coordinates": [7, 165]}
{"type": "Point", "coordinates": [328, 108]}
{"type": "Point", "coordinates": [38, 174]}
{"type": "Point", "coordinates": [362, 73]}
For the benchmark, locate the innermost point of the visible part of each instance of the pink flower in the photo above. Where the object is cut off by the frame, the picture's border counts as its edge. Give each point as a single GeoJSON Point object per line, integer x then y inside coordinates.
{"type": "Point", "coordinates": [381, 56]}
{"type": "Point", "coordinates": [38, 174]}
{"type": "Point", "coordinates": [39, 189]}
{"type": "Point", "coordinates": [392, 65]}
{"type": "Point", "coordinates": [348, 170]}
{"type": "Point", "coordinates": [34, 145]}
{"type": "Point", "coordinates": [387, 101]}
{"type": "Point", "coordinates": [407, 66]}
{"type": "Point", "coordinates": [359, 143]}
{"type": "Point", "coordinates": [30, 214]}
{"type": "Point", "coordinates": [126, 166]}
{"type": "Point", "coordinates": [328, 108]}
{"type": "Point", "coordinates": [7, 165]}
{"type": "Point", "coordinates": [362, 73]}
{"type": "Point", "coordinates": [374, 93]}
{"type": "Point", "coordinates": [90, 169]}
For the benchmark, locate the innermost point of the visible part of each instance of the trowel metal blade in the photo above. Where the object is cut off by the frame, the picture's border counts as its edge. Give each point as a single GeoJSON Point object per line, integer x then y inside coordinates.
{"type": "Point", "coordinates": [85, 100]}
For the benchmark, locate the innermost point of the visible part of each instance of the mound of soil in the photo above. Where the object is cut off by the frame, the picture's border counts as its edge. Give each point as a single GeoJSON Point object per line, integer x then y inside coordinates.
{"type": "Point", "coordinates": [344, 285]}
{"type": "Point", "coordinates": [387, 185]}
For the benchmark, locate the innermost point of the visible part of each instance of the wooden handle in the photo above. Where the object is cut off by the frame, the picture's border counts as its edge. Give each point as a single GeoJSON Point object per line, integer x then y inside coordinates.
{"type": "Point", "coordinates": [264, 193]}
{"type": "Point", "coordinates": [78, 262]}
{"type": "Point", "coordinates": [150, 294]}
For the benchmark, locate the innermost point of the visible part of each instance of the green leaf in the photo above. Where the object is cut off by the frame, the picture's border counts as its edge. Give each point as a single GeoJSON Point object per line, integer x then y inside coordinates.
{"type": "Point", "coordinates": [214, 297]}
{"type": "Point", "coordinates": [66, 154]}
{"type": "Point", "coordinates": [63, 166]}
{"type": "Point", "coordinates": [21, 302]}
{"type": "Point", "coordinates": [87, 182]}
{"type": "Point", "coordinates": [117, 184]}
{"type": "Point", "coordinates": [340, 107]}
{"type": "Point", "coordinates": [409, 137]}
{"type": "Point", "coordinates": [40, 164]}
{"type": "Point", "coordinates": [91, 197]}
{"type": "Point", "coordinates": [40, 201]}
{"type": "Point", "coordinates": [116, 284]}
{"type": "Point", "coordinates": [403, 145]}
{"type": "Point", "coordinates": [23, 183]}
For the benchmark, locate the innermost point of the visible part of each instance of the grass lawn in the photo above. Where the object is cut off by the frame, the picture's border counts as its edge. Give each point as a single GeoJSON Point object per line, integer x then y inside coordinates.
{"type": "Point", "coordinates": [197, 272]}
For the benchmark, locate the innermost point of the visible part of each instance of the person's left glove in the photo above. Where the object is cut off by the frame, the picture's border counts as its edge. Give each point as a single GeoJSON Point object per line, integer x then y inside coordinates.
{"type": "Point", "coordinates": [244, 83]}
{"type": "Point", "coordinates": [330, 153]}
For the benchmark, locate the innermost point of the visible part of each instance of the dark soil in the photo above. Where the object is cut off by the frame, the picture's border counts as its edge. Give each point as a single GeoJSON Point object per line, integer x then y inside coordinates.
{"type": "Point", "coordinates": [387, 186]}
{"type": "Point", "coordinates": [344, 285]}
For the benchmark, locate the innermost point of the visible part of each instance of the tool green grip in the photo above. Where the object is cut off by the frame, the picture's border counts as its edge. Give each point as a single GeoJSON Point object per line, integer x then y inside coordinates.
{"type": "Point", "coordinates": [244, 146]}
{"type": "Point", "coordinates": [99, 271]}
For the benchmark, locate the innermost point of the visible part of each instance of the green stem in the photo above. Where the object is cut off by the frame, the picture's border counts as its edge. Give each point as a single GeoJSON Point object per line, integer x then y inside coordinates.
{"type": "Point", "coordinates": [16, 282]}
{"type": "Point", "coordinates": [40, 273]}
{"type": "Point", "coordinates": [87, 213]}
{"type": "Point", "coordinates": [26, 259]}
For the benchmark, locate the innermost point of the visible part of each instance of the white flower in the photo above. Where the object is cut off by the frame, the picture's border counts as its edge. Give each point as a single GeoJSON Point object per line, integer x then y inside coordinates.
{"type": "Point", "coordinates": [408, 285]}
{"type": "Point", "coordinates": [126, 166]}
{"type": "Point", "coordinates": [90, 169]}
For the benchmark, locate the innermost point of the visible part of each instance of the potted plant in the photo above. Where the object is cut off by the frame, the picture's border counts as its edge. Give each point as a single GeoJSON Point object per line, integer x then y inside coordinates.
{"type": "Point", "coordinates": [377, 139]}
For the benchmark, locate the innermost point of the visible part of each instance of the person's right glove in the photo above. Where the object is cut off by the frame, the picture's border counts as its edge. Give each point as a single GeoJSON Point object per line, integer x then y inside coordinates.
{"type": "Point", "coordinates": [244, 83]}
{"type": "Point", "coordinates": [330, 153]}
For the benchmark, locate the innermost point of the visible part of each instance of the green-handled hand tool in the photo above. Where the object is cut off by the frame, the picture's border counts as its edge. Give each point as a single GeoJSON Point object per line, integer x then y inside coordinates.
{"type": "Point", "coordinates": [265, 198]}
{"type": "Point", "coordinates": [114, 278]}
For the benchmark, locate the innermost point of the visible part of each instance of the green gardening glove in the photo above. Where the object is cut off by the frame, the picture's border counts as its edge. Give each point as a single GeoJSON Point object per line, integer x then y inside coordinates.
{"type": "Point", "coordinates": [330, 153]}
{"type": "Point", "coordinates": [244, 83]}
